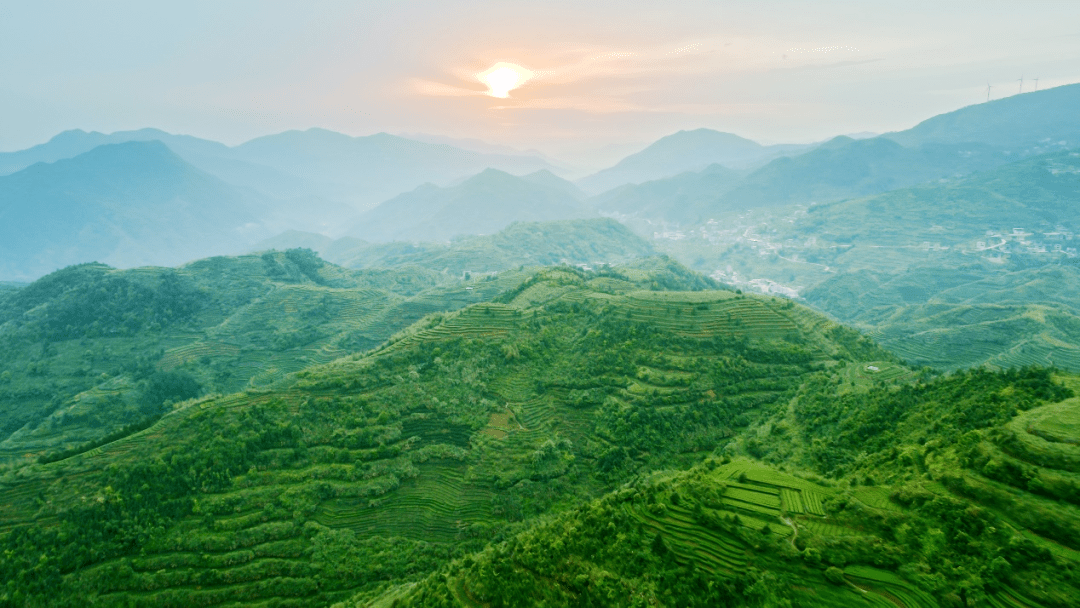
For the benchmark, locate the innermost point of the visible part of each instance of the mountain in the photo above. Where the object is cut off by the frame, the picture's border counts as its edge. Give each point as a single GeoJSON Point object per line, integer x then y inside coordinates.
{"type": "Point", "coordinates": [1036, 195]}
{"type": "Point", "coordinates": [838, 169]}
{"type": "Point", "coordinates": [482, 204]}
{"type": "Point", "coordinates": [548, 179]}
{"type": "Point", "coordinates": [70, 144]}
{"type": "Point", "coordinates": [846, 168]}
{"type": "Point", "coordinates": [364, 171]}
{"type": "Point", "coordinates": [379, 469]}
{"type": "Point", "coordinates": [583, 438]}
{"type": "Point", "coordinates": [678, 153]}
{"type": "Point", "coordinates": [958, 143]}
{"type": "Point", "coordinates": [958, 317]}
{"type": "Point", "coordinates": [127, 204]}
{"type": "Point", "coordinates": [595, 242]}
{"type": "Point", "coordinates": [1024, 124]}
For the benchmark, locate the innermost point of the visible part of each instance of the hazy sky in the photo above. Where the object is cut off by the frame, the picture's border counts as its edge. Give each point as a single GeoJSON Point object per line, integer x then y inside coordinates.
{"type": "Point", "coordinates": [602, 72]}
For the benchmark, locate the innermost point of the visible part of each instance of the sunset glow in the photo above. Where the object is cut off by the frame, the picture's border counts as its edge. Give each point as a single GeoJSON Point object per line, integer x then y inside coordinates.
{"type": "Point", "coordinates": [502, 78]}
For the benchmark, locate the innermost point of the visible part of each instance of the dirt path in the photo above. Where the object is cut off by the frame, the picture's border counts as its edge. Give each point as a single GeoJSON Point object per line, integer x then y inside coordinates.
{"type": "Point", "coordinates": [794, 528]}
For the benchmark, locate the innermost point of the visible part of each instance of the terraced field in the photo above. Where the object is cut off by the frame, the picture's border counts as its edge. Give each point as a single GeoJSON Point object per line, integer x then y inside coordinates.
{"type": "Point", "coordinates": [712, 549]}
{"type": "Point", "coordinates": [710, 313]}
{"type": "Point", "coordinates": [949, 336]}
{"type": "Point", "coordinates": [801, 495]}
{"type": "Point", "coordinates": [890, 586]}
{"type": "Point", "coordinates": [478, 321]}
{"type": "Point", "coordinates": [437, 505]}
{"type": "Point", "coordinates": [432, 451]}
{"type": "Point", "coordinates": [877, 498]}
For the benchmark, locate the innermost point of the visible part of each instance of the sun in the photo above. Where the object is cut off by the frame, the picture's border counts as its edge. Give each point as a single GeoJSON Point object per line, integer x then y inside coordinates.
{"type": "Point", "coordinates": [503, 77]}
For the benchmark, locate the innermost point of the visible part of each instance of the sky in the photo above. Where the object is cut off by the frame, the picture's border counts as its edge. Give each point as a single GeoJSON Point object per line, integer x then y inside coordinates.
{"type": "Point", "coordinates": [603, 77]}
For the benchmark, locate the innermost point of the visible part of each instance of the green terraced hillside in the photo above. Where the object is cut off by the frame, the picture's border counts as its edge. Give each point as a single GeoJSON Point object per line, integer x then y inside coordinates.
{"type": "Point", "coordinates": [377, 468]}
{"type": "Point", "coordinates": [989, 518]}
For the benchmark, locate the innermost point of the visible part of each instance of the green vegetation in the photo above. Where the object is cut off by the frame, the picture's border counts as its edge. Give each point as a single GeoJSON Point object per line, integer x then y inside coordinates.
{"type": "Point", "coordinates": [949, 274]}
{"type": "Point", "coordinates": [460, 430]}
{"type": "Point", "coordinates": [89, 350]}
{"type": "Point", "coordinates": [583, 438]}
{"type": "Point", "coordinates": [940, 532]}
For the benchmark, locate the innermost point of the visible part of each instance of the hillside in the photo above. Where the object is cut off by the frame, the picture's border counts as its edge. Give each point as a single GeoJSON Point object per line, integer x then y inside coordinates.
{"type": "Point", "coordinates": [379, 468]}
{"type": "Point", "coordinates": [950, 318]}
{"type": "Point", "coordinates": [1028, 123]}
{"type": "Point", "coordinates": [975, 510]}
{"type": "Point", "coordinates": [482, 204]}
{"type": "Point", "coordinates": [589, 242]}
{"type": "Point", "coordinates": [957, 262]}
{"type": "Point", "coordinates": [126, 204]}
{"type": "Point", "coordinates": [947, 146]}
{"type": "Point", "coordinates": [89, 349]}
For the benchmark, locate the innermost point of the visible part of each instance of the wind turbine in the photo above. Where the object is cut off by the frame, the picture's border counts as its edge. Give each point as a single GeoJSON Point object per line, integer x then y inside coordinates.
{"type": "Point", "coordinates": [988, 87]}
{"type": "Point", "coordinates": [1021, 84]}
{"type": "Point", "coordinates": [1036, 84]}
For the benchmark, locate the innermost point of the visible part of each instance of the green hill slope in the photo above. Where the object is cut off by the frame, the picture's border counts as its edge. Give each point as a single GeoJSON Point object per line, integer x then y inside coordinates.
{"type": "Point", "coordinates": [950, 318]}
{"type": "Point", "coordinates": [965, 517]}
{"type": "Point", "coordinates": [83, 348]}
{"type": "Point", "coordinates": [378, 468]}
{"type": "Point", "coordinates": [839, 169]}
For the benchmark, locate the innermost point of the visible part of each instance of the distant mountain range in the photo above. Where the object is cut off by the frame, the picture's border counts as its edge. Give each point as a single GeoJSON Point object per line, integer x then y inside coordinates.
{"type": "Point", "coordinates": [389, 188]}
{"type": "Point", "coordinates": [952, 145]}
{"type": "Point", "coordinates": [364, 171]}
{"type": "Point", "coordinates": [681, 198]}
{"type": "Point", "coordinates": [358, 171]}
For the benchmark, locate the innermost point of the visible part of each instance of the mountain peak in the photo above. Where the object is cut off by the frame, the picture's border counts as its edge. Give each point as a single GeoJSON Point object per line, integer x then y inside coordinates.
{"type": "Point", "coordinates": [676, 153]}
